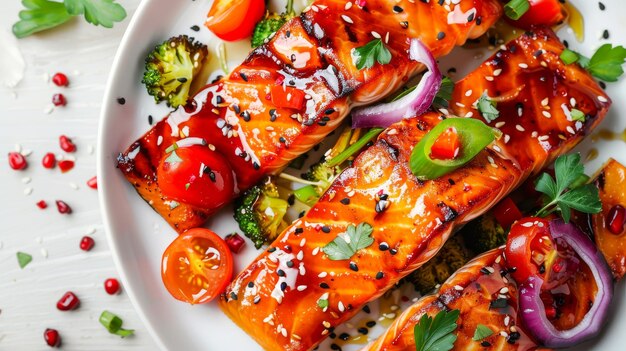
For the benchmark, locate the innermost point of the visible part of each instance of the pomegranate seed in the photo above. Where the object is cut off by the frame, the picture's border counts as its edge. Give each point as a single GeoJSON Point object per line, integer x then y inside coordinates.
{"type": "Point", "coordinates": [60, 80]}
{"type": "Point", "coordinates": [17, 161]}
{"type": "Point", "coordinates": [52, 337]}
{"type": "Point", "coordinates": [615, 219]}
{"type": "Point", "coordinates": [66, 144]}
{"type": "Point", "coordinates": [87, 243]}
{"type": "Point", "coordinates": [112, 286]}
{"type": "Point", "coordinates": [42, 204]}
{"type": "Point", "coordinates": [66, 165]}
{"type": "Point", "coordinates": [69, 301]}
{"type": "Point", "coordinates": [235, 242]}
{"type": "Point", "coordinates": [59, 100]}
{"type": "Point", "coordinates": [550, 312]}
{"type": "Point", "coordinates": [93, 183]}
{"type": "Point", "coordinates": [63, 207]}
{"type": "Point", "coordinates": [49, 160]}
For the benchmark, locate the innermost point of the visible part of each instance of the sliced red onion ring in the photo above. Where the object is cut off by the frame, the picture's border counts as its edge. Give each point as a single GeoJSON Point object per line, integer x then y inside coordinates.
{"type": "Point", "coordinates": [410, 105]}
{"type": "Point", "coordinates": [533, 310]}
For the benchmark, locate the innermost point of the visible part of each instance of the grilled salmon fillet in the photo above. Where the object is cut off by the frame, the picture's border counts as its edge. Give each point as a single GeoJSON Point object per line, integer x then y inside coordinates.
{"type": "Point", "coordinates": [310, 57]}
{"type": "Point", "coordinates": [276, 299]}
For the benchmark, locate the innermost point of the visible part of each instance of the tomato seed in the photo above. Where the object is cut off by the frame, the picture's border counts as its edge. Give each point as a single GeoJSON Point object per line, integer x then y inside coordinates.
{"type": "Point", "coordinates": [93, 182]}
{"type": "Point", "coordinates": [17, 161]}
{"type": "Point", "coordinates": [235, 242]}
{"type": "Point", "coordinates": [59, 100]}
{"type": "Point", "coordinates": [87, 243]}
{"type": "Point", "coordinates": [49, 160]}
{"type": "Point", "coordinates": [69, 301]}
{"type": "Point", "coordinates": [66, 144]}
{"type": "Point", "coordinates": [112, 286]}
{"type": "Point", "coordinates": [66, 165]}
{"type": "Point", "coordinates": [63, 207]}
{"type": "Point", "coordinates": [60, 80]}
{"type": "Point", "coordinates": [52, 337]}
{"type": "Point", "coordinates": [42, 204]}
{"type": "Point", "coordinates": [615, 219]}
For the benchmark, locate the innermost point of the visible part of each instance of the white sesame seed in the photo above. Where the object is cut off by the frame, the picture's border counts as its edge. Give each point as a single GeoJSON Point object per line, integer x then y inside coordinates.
{"type": "Point", "coordinates": [73, 185]}
{"type": "Point", "coordinates": [26, 180]}
{"type": "Point", "coordinates": [507, 320]}
{"type": "Point", "coordinates": [523, 65]}
{"type": "Point", "coordinates": [520, 128]}
{"type": "Point", "coordinates": [460, 104]}
{"type": "Point", "coordinates": [570, 129]}
{"type": "Point", "coordinates": [28, 191]}
{"type": "Point", "coordinates": [534, 134]}
{"type": "Point", "coordinates": [323, 274]}
{"type": "Point", "coordinates": [546, 114]}
{"type": "Point", "coordinates": [44, 252]}
{"type": "Point", "coordinates": [302, 242]}
{"type": "Point", "coordinates": [506, 138]}
{"type": "Point", "coordinates": [490, 159]}
{"type": "Point", "coordinates": [468, 93]}
{"type": "Point", "coordinates": [527, 224]}
{"type": "Point", "coordinates": [340, 306]}
{"type": "Point", "coordinates": [458, 288]}
{"type": "Point", "coordinates": [283, 331]}
{"type": "Point", "coordinates": [504, 290]}
{"type": "Point", "coordinates": [300, 255]}
{"type": "Point", "coordinates": [326, 324]}
{"type": "Point", "coordinates": [489, 78]}
{"type": "Point", "coordinates": [375, 35]}
{"type": "Point", "coordinates": [545, 101]}
{"type": "Point", "coordinates": [387, 38]}
{"type": "Point", "coordinates": [504, 334]}
{"type": "Point", "coordinates": [301, 287]}
{"type": "Point", "coordinates": [347, 19]}
{"type": "Point", "coordinates": [500, 124]}
{"type": "Point", "coordinates": [602, 99]}
{"type": "Point", "coordinates": [348, 6]}
{"type": "Point", "coordinates": [572, 102]}
{"type": "Point", "coordinates": [497, 72]}
{"type": "Point", "coordinates": [315, 251]}
{"type": "Point", "coordinates": [469, 114]}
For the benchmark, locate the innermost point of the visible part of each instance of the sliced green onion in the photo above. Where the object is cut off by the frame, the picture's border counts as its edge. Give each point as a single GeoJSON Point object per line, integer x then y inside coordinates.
{"type": "Point", "coordinates": [23, 259]}
{"type": "Point", "coordinates": [515, 9]}
{"type": "Point", "coordinates": [577, 115]}
{"type": "Point", "coordinates": [568, 56]}
{"type": "Point", "coordinates": [474, 136]}
{"type": "Point", "coordinates": [307, 194]}
{"type": "Point", "coordinates": [352, 149]}
{"type": "Point", "coordinates": [113, 324]}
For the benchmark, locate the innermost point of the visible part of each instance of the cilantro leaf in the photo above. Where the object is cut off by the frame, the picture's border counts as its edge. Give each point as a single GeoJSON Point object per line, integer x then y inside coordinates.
{"type": "Point", "coordinates": [482, 331]}
{"type": "Point", "coordinates": [568, 191]}
{"type": "Point", "coordinates": [97, 12]}
{"type": "Point", "coordinates": [487, 108]}
{"type": "Point", "coordinates": [436, 334]}
{"type": "Point", "coordinates": [605, 64]}
{"type": "Point", "coordinates": [23, 259]}
{"type": "Point", "coordinates": [374, 51]}
{"type": "Point", "coordinates": [445, 92]}
{"type": "Point", "coordinates": [347, 244]}
{"type": "Point", "coordinates": [39, 15]}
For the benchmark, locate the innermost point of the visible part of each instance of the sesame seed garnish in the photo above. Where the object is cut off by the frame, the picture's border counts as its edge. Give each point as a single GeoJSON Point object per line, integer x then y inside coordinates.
{"type": "Point", "coordinates": [468, 93]}
{"type": "Point", "coordinates": [500, 124]}
{"type": "Point", "coordinates": [497, 72]}
{"type": "Point", "coordinates": [441, 35]}
{"type": "Point", "coordinates": [546, 114]}
{"type": "Point", "coordinates": [380, 275]}
{"type": "Point", "coordinates": [326, 324]}
{"type": "Point", "coordinates": [504, 290]}
{"type": "Point", "coordinates": [602, 99]}
{"type": "Point", "coordinates": [340, 306]}
{"type": "Point", "coordinates": [489, 78]}
{"type": "Point", "coordinates": [375, 35]}
{"type": "Point", "coordinates": [545, 101]}
{"type": "Point", "coordinates": [458, 288]}
{"type": "Point", "coordinates": [301, 287]}
{"type": "Point", "coordinates": [520, 128]}
{"type": "Point", "coordinates": [397, 9]}
{"type": "Point", "coordinates": [348, 6]}
{"type": "Point", "coordinates": [523, 65]}
{"type": "Point", "coordinates": [347, 19]}
{"type": "Point", "coordinates": [324, 286]}
{"type": "Point", "coordinates": [506, 138]}
{"type": "Point", "coordinates": [354, 267]}
{"type": "Point", "coordinates": [323, 274]}
{"type": "Point", "coordinates": [570, 129]}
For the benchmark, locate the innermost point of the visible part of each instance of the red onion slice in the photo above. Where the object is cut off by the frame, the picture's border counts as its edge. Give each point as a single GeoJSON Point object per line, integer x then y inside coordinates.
{"type": "Point", "coordinates": [413, 104]}
{"type": "Point", "coordinates": [532, 309]}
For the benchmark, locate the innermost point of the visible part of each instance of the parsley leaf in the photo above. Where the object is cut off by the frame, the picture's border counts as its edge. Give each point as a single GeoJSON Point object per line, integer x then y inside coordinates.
{"type": "Point", "coordinates": [23, 259]}
{"type": "Point", "coordinates": [445, 92]}
{"type": "Point", "coordinates": [347, 244]}
{"type": "Point", "coordinates": [374, 51]}
{"type": "Point", "coordinates": [566, 192]}
{"type": "Point", "coordinates": [97, 12]}
{"type": "Point", "coordinates": [482, 331]}
{"type": "Point", "coordinates": [487, 108]}
{"type": "Point", "coordinates": [39, 15]}
{"type": "Point", "coordinates": [605, 64]}
{"type": "Point", "coordinates": [436, 334]}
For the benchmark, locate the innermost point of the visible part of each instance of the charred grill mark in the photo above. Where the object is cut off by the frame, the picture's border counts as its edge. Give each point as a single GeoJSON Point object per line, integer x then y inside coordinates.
{"type": "Point", "coordinates": [351, 35]}
{"type": "Point", "coordinates": [449, 214]}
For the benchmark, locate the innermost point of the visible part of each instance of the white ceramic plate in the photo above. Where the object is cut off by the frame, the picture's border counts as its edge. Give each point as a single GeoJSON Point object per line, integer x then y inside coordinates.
{"type": "Point", "coordinates": [138, 236]}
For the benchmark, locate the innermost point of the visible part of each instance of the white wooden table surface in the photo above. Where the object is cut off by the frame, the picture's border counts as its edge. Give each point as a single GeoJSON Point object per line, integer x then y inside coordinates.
{"type": "Point", "coordinates": [28, 296]}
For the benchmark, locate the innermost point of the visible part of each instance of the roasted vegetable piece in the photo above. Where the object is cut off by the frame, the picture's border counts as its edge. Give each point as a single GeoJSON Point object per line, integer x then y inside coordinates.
{"type": "Point", "coordinates": [260, 212]}
{"type": "Point", "coordinates": [483, 234]}
{"type": "Point", "coordinates": [171, 67]}
{"type": "Point", "coordinates": [452, 256]}
{"type": "Point", "coordinates": [271, 24]}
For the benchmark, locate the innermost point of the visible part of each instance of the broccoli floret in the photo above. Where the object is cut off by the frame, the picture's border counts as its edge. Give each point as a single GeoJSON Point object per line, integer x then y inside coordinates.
{"type": "Point", "coordinates": [271, 24]}
{"type": "Point", "coordinates": [483, 234]}
{"type": "Point", "coordinates": [171, 67]}
{"type": "Point", "coordinates": [452, 256]}
{"type": "Point", "coordinates": [260, 213]}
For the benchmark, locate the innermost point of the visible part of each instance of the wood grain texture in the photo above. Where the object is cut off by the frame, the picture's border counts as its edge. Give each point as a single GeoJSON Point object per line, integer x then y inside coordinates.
{"type": "Point", "coordinates": [28, 297]}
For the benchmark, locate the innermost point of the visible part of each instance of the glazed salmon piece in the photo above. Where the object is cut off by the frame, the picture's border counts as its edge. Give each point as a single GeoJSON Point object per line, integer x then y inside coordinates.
{"type": "Point", "coordinates": [276, 298]}
{"type": "Point", "coordinates": [310, 57]}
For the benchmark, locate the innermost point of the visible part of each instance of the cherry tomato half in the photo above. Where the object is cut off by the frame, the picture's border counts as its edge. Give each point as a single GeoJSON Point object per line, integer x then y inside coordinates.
{"type": "Point", "coordinates": [197, 176]}
{"type": "Point", "coordinates": [233, 20]}
{"type": "Point", "coordinates": [528, 243]}
{"type": "Point", "coordinates": [197, 266]}
{"type": "Point", "coordinates": [540, 13]}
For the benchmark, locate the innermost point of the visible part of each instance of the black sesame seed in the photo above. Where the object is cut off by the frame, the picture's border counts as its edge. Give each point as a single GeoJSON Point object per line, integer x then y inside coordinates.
{"type": "Point", "coordinates": [271, 249]}
{"type": "Point", "coordinates": [256, 166]}
{"type": "Point", "coordinates": [324, 286]}
{"type": "Point", "coordinates": [251, 284]}
{"type": "Point", "coordinates": [479, 20]}
{"type": "Point", "coordinates": [293, 57]}
{"type": "Point", "coordinates": [233, 296]}
{"type": "Point", "coordinates": [212, 176]}
{"type": "Point", "coordinates": [384, 196]}
{"type": "Point", "coordinates": [441, 35]}
{"type": "Point", "coordinates": [485, 271]}
{"type": "Point", "coordinates": [280, 273]}
{"type": "Point", "coordinates": [150, 119]}
{"type": "Point", "coordinates": [291, 199]}
{"type": "Point", "coordinates": [321, 123]}
{"type": "Point", "coordinates": [383, 246]}
{"type": "Point", "coordinates": [335, 347]}
{"type": "Point", "coordinates": [380, 275]}
{"type": "Point", "coordinates": [354, 267]}
{"type": "Point", "coordinates": [605, 34]}
{"type": "Point", "coordinates": [404, 24]}
{"type": "Point", "coordinates": [542, 269]}
{"type": "Point", "coordinates": [326, 229]}
{"type": "Point", "coordinates": [366, 309]}
{"type": "Point", "coordinates": [397, 9]}
{"type": "Point", "coordinates": [602, 85]}
{"type": "Point", "coordinates": [393, 251]}
{"type": "Point", "coordinates": [485, 344]}
{"type": "Point", "coordinates": [182, 79]}
{"type": "Point", "coordinates": [236, 108]}
{"type": "Point", "coordinates": [538, 53]}
{"type": "Point", "coordinates": [363, 330]}
{"type": "Point", "coordinates": [301, 214]}
{"type": "Point", "coordinates": [219, 99]}
{"type": "Point", "coordinates": [325, 119]}
{"type": "Point", "coordinates": [243, 76]}
{"type": "Point", "coordinates": [283, 286]}
{"type": "Point", "coordinates": [257, 299]}
{"type": "Point", "coordinates": [282, 139]}
{"type": "Point", "coordinates": [289, 264]}
{"type": "Point", "coordinates": [345, 201]}
{"type": "Point", "coordinates": [565, 43]}
{"type": "Point", "coordinates": [299, 231]}
{"type": "Point", "coordinates": [370, 324]}
{"type": "Point", "coordinates": [121, 100]}
{"type": "Point", "coordinates": [440, 2]}
{"type": "Point", "coordinates": [246, 116]}
{"type": "Point", "coordinates": [332, 335]}
{"type": "Point", "coordinates": [602, 7]}
{"type": "Point", "coordinates": [470, 17]}
{"type": "Point", "coordinates": [195, 28]}
{"type": "Point", "coordinates": [329, 111]}
{"type": "Point", "coordinates": [344, 336]}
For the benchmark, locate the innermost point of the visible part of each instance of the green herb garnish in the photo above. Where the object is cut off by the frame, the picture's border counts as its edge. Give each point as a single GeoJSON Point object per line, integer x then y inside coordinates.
{"type": "Point", "coordinates": [605, 64]}
{"type": "Point", "coordinates": [515, 9]}
{"type": "Point", "coordinates": [561, 196]}
{"type": "Point", "coordinates": [482, 331]}
{"type": "Point", "coordinates": [113, 324]}
{"type": "Point", "coordinates": [436, 334]}
{"type": "Point", "coordinates": [347, 244]}
{"type": "Point", "coordinates": [322, 303]}
{"type": "Point", "coordinates": [40, 15]}
{"type": "Point", "coordinates": [23, 259]}
{"type": "Point", "coordinates": [445, 93]}
{"type": "Point", "coordinates": [487, 108]}
{"type": "Point", "coordinates": [370, 53]}
{"type": "Point", "coordinates": [577, 115]}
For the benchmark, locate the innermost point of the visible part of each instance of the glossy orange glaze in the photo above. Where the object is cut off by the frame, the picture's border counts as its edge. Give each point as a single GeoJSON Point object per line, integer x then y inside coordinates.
{"type": "Point", "coordinates": [313, 52]}
{"type": "Point", "coordinates": [420, 216]}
